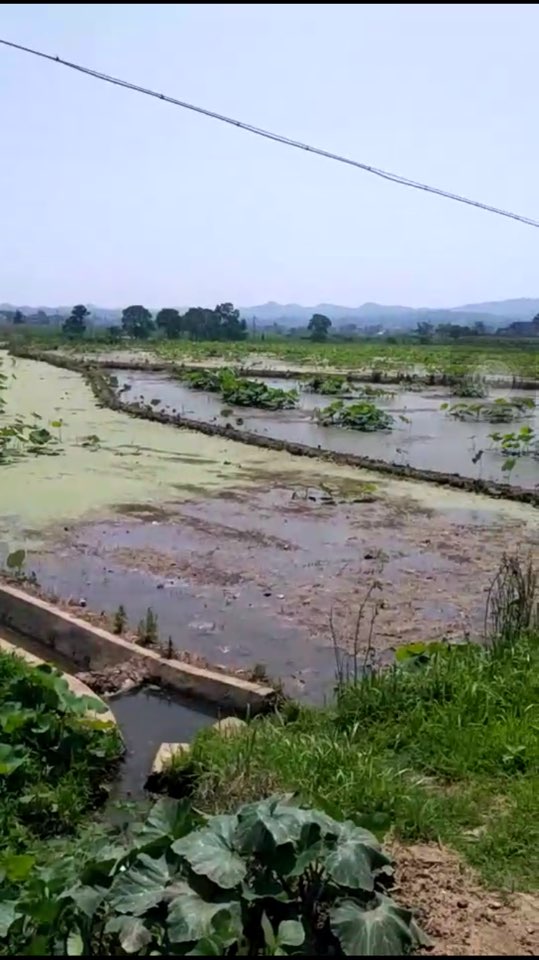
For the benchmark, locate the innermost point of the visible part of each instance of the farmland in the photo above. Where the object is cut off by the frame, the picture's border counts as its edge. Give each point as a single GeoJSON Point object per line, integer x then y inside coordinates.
{"type": "Point", "coordinates": [491, 355]}
{"type": "Point", "coordinates": [257, 560]}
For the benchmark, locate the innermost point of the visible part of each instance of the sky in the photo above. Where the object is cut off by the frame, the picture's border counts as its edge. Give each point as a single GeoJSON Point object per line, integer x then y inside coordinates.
{"type": "Point", "coordinates": [110, 197]}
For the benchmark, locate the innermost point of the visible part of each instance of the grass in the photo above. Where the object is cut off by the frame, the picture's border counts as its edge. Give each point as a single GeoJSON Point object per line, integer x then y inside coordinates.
{"type": "Point", "coordinates": [447, 753]}
{"type": "Point", "coordinates": [489, 355]}
{"type": "Point", "coordinates": [55, 760]}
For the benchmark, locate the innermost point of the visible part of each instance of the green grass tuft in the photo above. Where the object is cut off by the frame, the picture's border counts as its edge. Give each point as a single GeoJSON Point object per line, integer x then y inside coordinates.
{"type": "Point", "coordinates": [447, 753]}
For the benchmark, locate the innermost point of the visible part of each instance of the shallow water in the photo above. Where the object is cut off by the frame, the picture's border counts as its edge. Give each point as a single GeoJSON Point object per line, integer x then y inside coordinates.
{"type": "Point", "coordinates": [427, 438]}
{"type": "Point", "coordinates": [147, 718]}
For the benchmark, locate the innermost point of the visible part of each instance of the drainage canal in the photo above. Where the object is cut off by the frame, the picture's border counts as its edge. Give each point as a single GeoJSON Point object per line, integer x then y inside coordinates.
{"type": "Point", "coordinates": [148, 717]}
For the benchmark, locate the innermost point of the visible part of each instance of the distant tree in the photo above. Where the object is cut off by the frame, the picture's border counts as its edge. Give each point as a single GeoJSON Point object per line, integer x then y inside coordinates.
{"type": "Point", "coordinates": [424, 331]}
{"type": "Point", "coordinates": [479, 328]}
{"type": "Point", "coordinates": [229, 326]}
{"type": "Point", "coordinates": [137, 322]}
{"type": "Point", "coordinates": [18, 317]}
{"type": "Point", "coordinates": [75, 324]}
{"type": "Point", "coordinates": [318, 327]}
{"type": "Point", "coordinates": [114, 333]}
{"type": "Point", "coordinates": [170, 322]}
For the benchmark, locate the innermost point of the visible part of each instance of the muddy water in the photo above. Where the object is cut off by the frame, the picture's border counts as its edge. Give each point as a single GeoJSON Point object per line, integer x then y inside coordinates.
{"type": "Point", "coordinates": [255, 576]}
{"type": "Point", "coordinates": [422, 436]}
{"type": "Point", "coordinates": [147, 718]}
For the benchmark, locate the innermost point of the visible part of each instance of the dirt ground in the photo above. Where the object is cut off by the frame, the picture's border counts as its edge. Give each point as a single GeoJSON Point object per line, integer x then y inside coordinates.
{"type": "Point", "coordinates": [461, 917]}
{"type": "Point", "coordinates": [255, 575]}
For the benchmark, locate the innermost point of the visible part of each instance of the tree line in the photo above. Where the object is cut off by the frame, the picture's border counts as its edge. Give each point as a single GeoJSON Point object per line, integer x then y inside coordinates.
{"type": "Point", "coordinates": [197, 323]}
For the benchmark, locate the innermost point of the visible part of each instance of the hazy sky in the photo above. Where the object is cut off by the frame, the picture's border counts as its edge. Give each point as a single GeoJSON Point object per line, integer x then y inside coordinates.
{"type": "Point", "coordinates": [110, 197]}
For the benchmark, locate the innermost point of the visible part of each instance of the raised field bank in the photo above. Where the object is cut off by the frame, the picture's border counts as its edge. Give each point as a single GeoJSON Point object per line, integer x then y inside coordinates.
{"type": "Point", "coordinates": [303, 580]}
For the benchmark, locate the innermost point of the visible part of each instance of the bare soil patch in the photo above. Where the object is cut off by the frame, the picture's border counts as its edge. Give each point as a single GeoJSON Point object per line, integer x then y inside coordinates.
{"type": "Point", "coordinates": [460, 916]}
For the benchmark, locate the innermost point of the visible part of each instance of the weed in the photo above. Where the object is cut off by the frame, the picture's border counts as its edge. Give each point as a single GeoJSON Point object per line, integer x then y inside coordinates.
{"type": "Point", "coordinates": [120, 620]}
{"type": "Point", "coordinates": [147, 630]}
{"type": "Point", "coordinates": [513, 601]}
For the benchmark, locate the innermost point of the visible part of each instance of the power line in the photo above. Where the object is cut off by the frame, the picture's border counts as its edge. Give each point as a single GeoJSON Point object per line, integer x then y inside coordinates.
{"type": "Point", "coordinates": [278, 138]}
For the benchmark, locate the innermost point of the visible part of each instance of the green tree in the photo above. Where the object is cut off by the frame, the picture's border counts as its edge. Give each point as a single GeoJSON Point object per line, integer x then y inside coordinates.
{"type": "Point", "coordinates": [169, 321]}
{"type": "Point", "coordinates": [75, 324]}
{"type": "Point", "coordinates": [200, 323]}
{"type": "Point", "coordinates": [18, 317]}
{"type": "Point", "coordinates": [229, 326]}
{"type": "Point", "coordinates": [425, 331]}
{"type": "Point", "coordinates": [318, 327]}
{"type": "Point", "coordinates": [137, 322]}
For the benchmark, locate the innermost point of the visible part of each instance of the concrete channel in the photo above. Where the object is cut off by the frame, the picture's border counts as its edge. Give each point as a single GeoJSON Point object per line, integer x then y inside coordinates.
{"type": "Point", "coordinates": [175, 702]}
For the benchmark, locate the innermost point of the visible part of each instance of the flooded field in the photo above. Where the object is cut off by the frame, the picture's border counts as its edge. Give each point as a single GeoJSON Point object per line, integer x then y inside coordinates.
{"type": "Point", "coordinates": [423, 435]}
{"type": "Point", "coordinates": [246, 556]}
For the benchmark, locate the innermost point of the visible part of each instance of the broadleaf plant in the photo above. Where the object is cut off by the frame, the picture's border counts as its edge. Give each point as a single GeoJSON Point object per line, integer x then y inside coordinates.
{"type": "Point", "coordinates": [273, 879]}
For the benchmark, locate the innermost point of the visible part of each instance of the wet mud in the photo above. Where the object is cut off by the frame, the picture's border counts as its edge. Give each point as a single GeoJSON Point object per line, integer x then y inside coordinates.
{"type": "Point", "coordinates": [274, 575]}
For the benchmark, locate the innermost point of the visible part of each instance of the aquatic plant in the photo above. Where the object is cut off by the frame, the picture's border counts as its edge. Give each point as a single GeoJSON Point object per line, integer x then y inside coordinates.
{"type": "Point", "coordinates": [517, 443]}
{"type": "Point", "coordinates": [363, 415]}
{"type": "Point", "coordinates": [330, 384]}
{"type": "Point", "coordinates": [19, 438]}
{"type": "Point", "coordinates": [501, 410]}
{"type": "Point", "coordinates": [240, 391]}
{"type": "Point", "coordinates": [470, 385]}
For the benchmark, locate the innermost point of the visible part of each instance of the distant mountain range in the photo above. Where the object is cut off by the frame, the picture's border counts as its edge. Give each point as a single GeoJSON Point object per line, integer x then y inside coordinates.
{"type": "Point", "coordinates": [494, 313]}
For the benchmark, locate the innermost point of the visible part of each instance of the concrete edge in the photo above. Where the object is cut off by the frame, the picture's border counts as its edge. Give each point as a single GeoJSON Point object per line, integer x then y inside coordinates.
{"type": "Point", "coordinates": [76, 686]}
{"type": "Point", "coordinates": [89, 646]}
{"type": "Point", "coordinates": [227, 727]}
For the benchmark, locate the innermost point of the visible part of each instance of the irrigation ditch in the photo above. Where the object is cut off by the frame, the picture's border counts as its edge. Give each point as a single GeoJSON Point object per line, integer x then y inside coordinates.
{"type": "Point", "coordinates": [160, 701]}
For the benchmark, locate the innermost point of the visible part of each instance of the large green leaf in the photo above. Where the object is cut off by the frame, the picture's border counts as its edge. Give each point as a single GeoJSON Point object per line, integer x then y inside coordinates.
{"type": "Point", "coordinates": [383, 931]}
{"type": "Point", "coordinates": [74, 944]}
{"type": "Point", "coordinates": [167, 820]}
{"type": "Point", "coordinates": [85, 897]}
{"type": "Point", "coordinates": [141, 887]}
{"type": "Point", "coordinates": [17, 866]}
{"type": "Point", "coordinates": [209, 852]}
{"type": "Point", "coordinates": [10, 759]}
{"type": "Point", "coordinates": [274, 822]}
{"type": "Point", "coordinates": [353, 860]}
{"type": "Point", "coordinates": [291, 933]}
{"type": "Point", "coordinates": [192, 918]}
{"type": "Point", "coordinates": [132, 933]}
{"type": "Point", "coordinates": [8, 913]}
